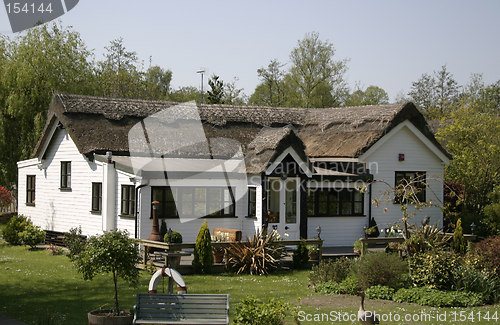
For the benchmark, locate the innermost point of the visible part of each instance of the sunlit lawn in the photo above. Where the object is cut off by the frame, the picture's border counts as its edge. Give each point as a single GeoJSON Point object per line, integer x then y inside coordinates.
{"type": "Point", "coordinates": [34, 284]}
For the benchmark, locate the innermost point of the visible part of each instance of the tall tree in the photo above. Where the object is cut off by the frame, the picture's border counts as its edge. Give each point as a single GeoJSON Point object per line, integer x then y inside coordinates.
{"type": "Point", "coordinates": [314, 71]}
{"type": "Point", "coordinates": [216, 93]}
{"type": "Point", "coordinates": [34, 65]}
{"type": "Point", "coordinates": [270, 92]}
{"type": "Point", "coordinates": [436, 95]}
{"type": "Point", "coordinates": [233, 95]}
{"type": "Point", "coordinates": [157, 82]}
{"type": "Point", "coordinates": [372, 95]}
{"type": "Point", "coordinates": [485, 98]}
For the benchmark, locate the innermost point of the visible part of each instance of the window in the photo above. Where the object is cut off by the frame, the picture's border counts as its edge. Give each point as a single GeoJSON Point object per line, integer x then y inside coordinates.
{"type": "Point", "coordinates": [193, 201]}
{"type": "Point", "coordinates": [128, 200]}
{"type": "Point", "coordinates": [410, 186]}
{"type": "Point", "coordinates": [327, 202]}
{"type": "Point", "coordinates": [252, 201]}
{"type": "Point", "coordinates": [65, 174]}
{"type": "Point", "coordinates": [96, 197]}
{"type": "Point", "coordinates": [30, 190]}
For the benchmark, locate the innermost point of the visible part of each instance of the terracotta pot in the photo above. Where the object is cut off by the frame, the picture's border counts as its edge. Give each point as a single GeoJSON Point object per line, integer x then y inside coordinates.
{"type": "Point", "coordinates": [106, 317]}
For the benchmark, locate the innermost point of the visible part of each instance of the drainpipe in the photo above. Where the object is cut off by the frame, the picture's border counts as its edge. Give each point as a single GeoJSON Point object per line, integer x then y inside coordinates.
{"type": "Point", "coordinates": [369, 203]}
{"type": "Point", "coordinates": [136, 214]}
{"type": "Point", "coordinates": [109, 194]}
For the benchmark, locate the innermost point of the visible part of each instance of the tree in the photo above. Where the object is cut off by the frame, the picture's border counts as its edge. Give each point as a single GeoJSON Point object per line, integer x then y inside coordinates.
{"type": "Point", "coordinates": [233, 95]}
{"type": "Point", "coordinates": [473, 138]}
{"type": "Point", "coordinates": [485, 98]}
{"type": "Point", "coordinates": [216, 92]}
{"type": "Point", "coordinates": [372, 95]}
{"type": "Point", "coordinates": [314, 71]}
{"type": "Point", "coordinates": [184, 94]}
{"type": "Point", "coordinates": [270, 92]}
{"type": "Point", "coordinates": [157, 82]}
{"type": "Point", "coordinates": [436, 95]}
{"type": "Point", "coordinates": [459, 244]}
{"type": "Point", "coordinates": [32, 66]}
{"type": "Point", "coordinates": [113, 252]}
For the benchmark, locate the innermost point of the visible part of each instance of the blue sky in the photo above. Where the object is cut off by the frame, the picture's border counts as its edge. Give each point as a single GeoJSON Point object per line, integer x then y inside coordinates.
{"type": "Point", "coordinates": [388, 43]}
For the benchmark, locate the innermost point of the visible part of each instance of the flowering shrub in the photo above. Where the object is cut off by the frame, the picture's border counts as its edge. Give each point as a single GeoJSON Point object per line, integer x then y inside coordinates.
{"type": "Point", "coordinates": [5, 196]}
{"type": "Point", "coordinates": [488, 253]}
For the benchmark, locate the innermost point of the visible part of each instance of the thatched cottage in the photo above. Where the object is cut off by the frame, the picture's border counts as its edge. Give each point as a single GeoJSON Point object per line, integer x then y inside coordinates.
{"type": "Point", "coordinates": [101, 162]}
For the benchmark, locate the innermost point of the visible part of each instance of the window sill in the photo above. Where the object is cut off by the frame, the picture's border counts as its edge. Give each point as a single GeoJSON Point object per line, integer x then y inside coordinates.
{"type": "Point", "coordinates": [126, 216]}
{"type": "Point", "coordinates": [30, 204]}
{"type": "Point", "coordinates": [251, 217]}
{"type": "Point", "coordinates": [65, 189]}
{"type": "Point", "coordinates": [95, 212]}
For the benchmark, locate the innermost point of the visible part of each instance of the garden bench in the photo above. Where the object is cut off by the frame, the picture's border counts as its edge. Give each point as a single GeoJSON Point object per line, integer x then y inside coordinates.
{"type": "Point", "coordinates": [160, 308]}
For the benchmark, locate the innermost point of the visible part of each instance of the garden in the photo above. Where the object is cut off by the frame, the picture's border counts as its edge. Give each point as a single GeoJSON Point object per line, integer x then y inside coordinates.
{"type": "Point", "coordinates": [438, 277]}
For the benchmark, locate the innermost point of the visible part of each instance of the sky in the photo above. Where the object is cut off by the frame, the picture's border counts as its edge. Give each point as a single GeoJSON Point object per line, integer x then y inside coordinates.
{"type": "Point", "coordinates": [389, 44]}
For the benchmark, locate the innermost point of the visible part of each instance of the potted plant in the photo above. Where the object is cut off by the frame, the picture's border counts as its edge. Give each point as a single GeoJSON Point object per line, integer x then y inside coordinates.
{"type": "Point", "coordinates": [219, 251]}
{"type": "Point", "coordinates": [313, 252]}
{"type": "Point", "coordinates": [358, 246]}
{"type": "Point", "coordinates": [173, 237]}
{"type": "Point", "coordinates": [372, 230]}
{"type": "Point", "coordinates": [113, 252]}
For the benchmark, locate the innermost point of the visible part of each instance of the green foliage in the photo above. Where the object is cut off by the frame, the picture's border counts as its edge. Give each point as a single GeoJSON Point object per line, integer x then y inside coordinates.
{"type": "Point", "coordinates": [492, 211]}
{"type": "Point", "coordinates": [380, 292]}
{"type": "Point", "coordinates": [348, 286]}
{"type": "Point", "coordinates": [331, 270]}
{"type": "Point", "coordinates": [251, 311]}
{"type": "Point", "coordinates": [459, 244]}
{"type": "Point", "coordinates": [216, 93]}
{"type": "Point", "coordinates": [381, 269]}
{"type": "Point", "coordinates": [372, 95]}
{"type": "Point", "coordinates": [487, 252]}
{"type": "Point", "coordinates": [32, 235]}
{"type": "Point", "coordinates": [259, 255]}
{"type": "Point", "coordinates": [434, 269]}
{"type": "Point", "coordinates": [300, 255]}
{"type": "Point", "coordinates": [358, 245]}
{"type": "Point", "coordinates": [12, 229]}
{"type": "Point", "coordinates": [437, 298]}
{"type": "Point", "coordinates": [425, 238]}
{"type": "Point", "coordinates": [113, 252]}
{"type": "Point", "coordinates": [163, 230]}
{"type": "Point", "coordinates": [473, 280]}
{"type": "Point", "coordinates": [74, 241]}
{"type": "Point", "coordinates": [372, 230]}
{"type": "Point", "coordinates": [203, 255]}
{"type": "Point", "coordinates": [271, 90]}
{"type": "Point", "coordinates": [173, 237]}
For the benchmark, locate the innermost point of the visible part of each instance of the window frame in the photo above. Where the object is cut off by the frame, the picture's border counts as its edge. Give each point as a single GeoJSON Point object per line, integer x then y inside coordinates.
{"type": "Point", "coordinates": [252, 203]}
{"type": "Point", "coordinates": [97, 196]}
{"type": "Point", "coordinates": [178, 193]}
{"type": "Point", "coordinates": [65, 176]}
{"type": "Point", "coordinates": [332, 198]}
{"type": "Point", "coordinates": [128, 200]}
{"type": "Point", "coordinates": [30, 191]}
{"type": "Point", "coordinates": [421, 195]}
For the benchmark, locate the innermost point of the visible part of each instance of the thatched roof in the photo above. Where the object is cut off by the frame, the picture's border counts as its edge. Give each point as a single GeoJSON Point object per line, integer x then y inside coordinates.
{"type": "Point", "coordinates": [98, 124]}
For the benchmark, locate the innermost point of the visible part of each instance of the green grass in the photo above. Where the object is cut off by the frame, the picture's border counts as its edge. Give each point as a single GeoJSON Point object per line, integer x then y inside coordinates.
{"type": "Point", "coordinates": [35, 284]}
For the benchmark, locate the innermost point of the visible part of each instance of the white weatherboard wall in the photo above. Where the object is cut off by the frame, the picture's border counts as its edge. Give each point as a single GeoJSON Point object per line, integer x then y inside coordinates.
{"type": "Point", "coordinates": [57, 209]}
{"type": "Point", "coordinates": [383, 163]}
{"type": "Point", "coordinates": [60, 210]}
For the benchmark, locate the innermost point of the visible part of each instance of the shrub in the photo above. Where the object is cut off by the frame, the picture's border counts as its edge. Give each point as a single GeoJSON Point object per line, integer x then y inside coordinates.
{"type": "Point", "coordinates": [459, 244]}
{"type": "Point", "coordinates": [380, 292]}
{"type": "Point", "coordinates": [488, 253]}
{"type": "Point", "coordinates": [12, 229]}
{"type": "Point", "coordinates": [259, 255]}
{"type": "Point", "coordinates": [348, 286]}
{"type": "Point", "coordinates": [32, 235]}
{"type": "Point", "coordinates": [113, 252]}
{"type": "Point", "coordinates": [425, 238]}
{"type": "Point", "coordinates": [300, 255]}
{"type": "Point", "coordinates": [203, 256]}
{"type": "Point", "coordinates": [473, 280]}
{"type": "Point", "coordinates": [331, 270]}
{"type": "Point", "coordinates": [436, 298]}
{"type": "Point", "coordinates": [74, 241]}
{"type": "Point", "coordinates": [5, 197]}
{"type": "Point", "coordinates": [173, 237]}
{"type": "Point", "coordinates": [386, 269]}
{"type": "Point", "coordinates": [251, 311]}
{"type": "Point", "coordinates": [434, 269]}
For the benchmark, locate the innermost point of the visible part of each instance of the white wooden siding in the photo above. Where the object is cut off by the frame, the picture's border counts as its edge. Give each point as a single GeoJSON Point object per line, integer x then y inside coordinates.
{"type": "Point", "coordinates": [336, 231]}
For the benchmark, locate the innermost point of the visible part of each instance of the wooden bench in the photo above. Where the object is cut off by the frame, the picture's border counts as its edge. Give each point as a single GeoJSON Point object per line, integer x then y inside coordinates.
{"type": "Point", "coordinates": [160, 308]}
{"type": "Point", "coordinates": [228, 234]}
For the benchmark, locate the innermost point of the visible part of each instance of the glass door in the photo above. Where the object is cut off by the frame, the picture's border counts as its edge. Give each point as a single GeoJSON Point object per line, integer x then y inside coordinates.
{"type": "Point", "coordinates": [283, 207]}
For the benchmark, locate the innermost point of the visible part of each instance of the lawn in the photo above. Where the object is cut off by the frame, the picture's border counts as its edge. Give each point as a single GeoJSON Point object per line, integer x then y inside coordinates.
{"type": "Point", "coordinates": [35, 284]}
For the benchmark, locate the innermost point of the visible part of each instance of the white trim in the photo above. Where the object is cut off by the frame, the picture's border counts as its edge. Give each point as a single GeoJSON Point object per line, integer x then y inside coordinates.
{"type": "Point", "coordinates": [302, 164]}
{"type": "Point", "coordinates": [416, 132]}
{"type": "Point", "coordinates": [27, 163]}
{"type": "Point", "coordinates": [49, 138]}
